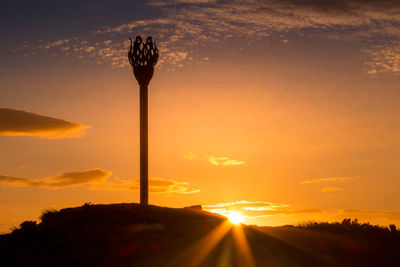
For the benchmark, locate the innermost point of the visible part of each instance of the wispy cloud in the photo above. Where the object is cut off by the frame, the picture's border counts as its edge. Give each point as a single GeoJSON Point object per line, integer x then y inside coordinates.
{"type": "Point", "coordinates": [214, 160]}
{"type": "Point", "coordinates": [63, 180]}
{"type": "Point", "coordinates": [331, 188]}
{"type": "Point", "coordinates": [184, 25]}
{"type": "Point", "coordinates": [256, 212]}
{"type": "Point", "coordinates": [98, 179]}
{"type": "Point", "coordinates": [383, 58]}
{"type": "Point", "coordinates": [257, 209]}
{"type": "Point", "coordinates": [189, 156]}
{"type": "Point", "coordinates": [243, 204]}
{"type": "Point", "coordinates": [327, 179]}
{"type": "Point", "coordinates": [224, 161]}
{"type": "Point", "coordinates": [156, 185]}
{"type": "Point", "coordinates": [56, 43]}
{"type": "Point", "coordinates": [331, 180]}
{"type": "Point", "coordinates": [14, 122]}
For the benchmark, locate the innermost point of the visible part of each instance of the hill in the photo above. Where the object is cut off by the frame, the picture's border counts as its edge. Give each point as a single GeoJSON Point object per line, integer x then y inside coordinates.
{"type": "Point", "coordinates": [133, 235]}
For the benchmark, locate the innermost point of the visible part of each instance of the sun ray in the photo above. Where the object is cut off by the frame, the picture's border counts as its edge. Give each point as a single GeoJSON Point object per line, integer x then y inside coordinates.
{"type": "Point", "coordinates": [199, 250]}
{"type": "Point", "coordinates": [243, 246]}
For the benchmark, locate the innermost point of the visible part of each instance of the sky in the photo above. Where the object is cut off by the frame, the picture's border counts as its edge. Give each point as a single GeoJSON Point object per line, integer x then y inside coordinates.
{"type": "Point", "coordinates": [285, 111]}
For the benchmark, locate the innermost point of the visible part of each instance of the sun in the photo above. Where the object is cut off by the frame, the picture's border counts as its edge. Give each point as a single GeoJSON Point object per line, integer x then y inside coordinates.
{"type": "Point", "coordinates": [235, 217]}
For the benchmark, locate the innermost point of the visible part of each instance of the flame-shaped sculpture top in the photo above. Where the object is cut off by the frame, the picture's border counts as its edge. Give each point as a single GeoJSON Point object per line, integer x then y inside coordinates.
{"type": "Point", "coordinates": [143, 57]}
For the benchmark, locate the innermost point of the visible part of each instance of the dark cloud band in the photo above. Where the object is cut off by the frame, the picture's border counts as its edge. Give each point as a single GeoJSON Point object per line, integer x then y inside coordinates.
{"type": "Point", "coordinates": [98, 179]}
{"type": "Point", "coordinates": [14, 122]}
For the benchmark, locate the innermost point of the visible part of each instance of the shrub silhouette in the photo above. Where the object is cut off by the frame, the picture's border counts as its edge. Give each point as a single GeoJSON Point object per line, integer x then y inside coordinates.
{"type": "Point", "coordinates": [27, 225]}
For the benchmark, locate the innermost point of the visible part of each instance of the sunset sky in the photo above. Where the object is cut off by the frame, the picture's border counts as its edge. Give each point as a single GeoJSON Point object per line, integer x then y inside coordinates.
{"type": "Point", "coordinates": [284, 110]}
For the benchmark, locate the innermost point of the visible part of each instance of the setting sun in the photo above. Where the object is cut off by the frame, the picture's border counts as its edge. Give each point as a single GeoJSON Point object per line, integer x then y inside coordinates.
{"type": "Point", "coordinates": [235, 217]}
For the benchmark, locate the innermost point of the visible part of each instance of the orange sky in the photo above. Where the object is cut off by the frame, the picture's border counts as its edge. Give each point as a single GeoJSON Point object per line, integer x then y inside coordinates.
{"type": "Point", "coordinates": [284, 120]}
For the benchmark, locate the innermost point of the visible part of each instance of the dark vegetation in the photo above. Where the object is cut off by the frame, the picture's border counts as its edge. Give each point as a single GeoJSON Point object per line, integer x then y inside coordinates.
{"type": "Point", "coordinates": [132, 235]}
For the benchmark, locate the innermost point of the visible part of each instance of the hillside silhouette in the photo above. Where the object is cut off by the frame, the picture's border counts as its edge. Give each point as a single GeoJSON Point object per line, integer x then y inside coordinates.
{"type": "Point", "coordinates": [135, 235]}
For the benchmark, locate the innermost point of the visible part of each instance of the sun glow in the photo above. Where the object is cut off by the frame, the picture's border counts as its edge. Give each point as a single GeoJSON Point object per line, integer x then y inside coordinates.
{"type": "Point", "coordinates": [235, 217]}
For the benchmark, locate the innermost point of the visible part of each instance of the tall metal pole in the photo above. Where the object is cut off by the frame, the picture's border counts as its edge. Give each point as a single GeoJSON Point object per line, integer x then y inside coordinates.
{"type": "Point", "coordinates": [144, 143]}
{"type": "Point", "coordinates": [143, 57]}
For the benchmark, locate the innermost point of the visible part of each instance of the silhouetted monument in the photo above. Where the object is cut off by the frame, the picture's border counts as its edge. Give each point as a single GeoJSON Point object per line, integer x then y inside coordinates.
{"type": "Point", "coordinates": [143, 57]}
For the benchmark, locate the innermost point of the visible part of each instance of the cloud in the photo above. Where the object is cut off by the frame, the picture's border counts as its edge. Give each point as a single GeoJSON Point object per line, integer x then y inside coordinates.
{"type": "Point", "coordinates": [156, 185]}
{"type": "Point", "coordinates": [57, 43]}
{"type": "Point", "coordinates": [15, 122]}
{"type": "Point", "coordinates": [381, 58]}
{"type": "Point", "coordinates": [214, 160]}
{"type": "Point", "coordinates": [269, 213]}
{"type": "Point", "coordinates": [187, 2]}
{"type": "Point", "coordinates": [224, 161]}
{"type": "Point", "coordinates": [185, 25]}
{"type": "Point", "coordinates": [327, 179]}
{"type": "Point", "coordinates": [261, 212]}
{"type": "Point", "coordinates": [256, 209]}
{"type": "Point", "coordinates": [68, 179]}
{"type": "Point", "coordinates": [331, 188]}
{"type": "Point", "coordinates": [189, 156]}
{"type": "Point", "coordinates": [287, 212]}
{"type": "Point", "coordinates": [243, 204]}
{"type": "Point", "coordinates": [338, 7]}
{"type": "Point", "coordinates": [98, 179]}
